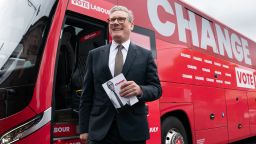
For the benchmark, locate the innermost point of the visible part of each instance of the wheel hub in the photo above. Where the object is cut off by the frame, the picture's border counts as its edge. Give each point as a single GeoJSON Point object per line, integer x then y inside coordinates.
{"type": "Point", "coordinates": [174, 137]}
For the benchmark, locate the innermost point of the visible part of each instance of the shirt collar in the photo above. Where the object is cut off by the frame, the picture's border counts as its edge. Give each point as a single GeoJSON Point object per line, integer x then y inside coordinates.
{"type": "Point", "coordinates": [125, 44]}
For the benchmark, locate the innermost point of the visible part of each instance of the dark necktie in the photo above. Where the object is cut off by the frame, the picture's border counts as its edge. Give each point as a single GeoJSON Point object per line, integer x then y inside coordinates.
{"type": "Point", "coordinates": [118, 61]}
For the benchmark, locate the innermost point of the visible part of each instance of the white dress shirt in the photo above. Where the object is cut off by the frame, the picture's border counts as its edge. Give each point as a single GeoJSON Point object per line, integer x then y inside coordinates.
{"type": "Point", "coordinates": [113, 51]}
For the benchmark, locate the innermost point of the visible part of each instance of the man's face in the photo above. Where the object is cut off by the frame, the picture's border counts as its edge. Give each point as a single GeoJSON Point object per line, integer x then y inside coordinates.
{"type": "Point", "coordinates": [110, 85]}
{"type": "Point", "coordinates": [119, 26]}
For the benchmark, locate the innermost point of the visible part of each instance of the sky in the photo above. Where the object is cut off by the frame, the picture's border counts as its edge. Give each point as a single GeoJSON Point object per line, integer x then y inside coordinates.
{"type": "Point", "coordinates": [240, 15]}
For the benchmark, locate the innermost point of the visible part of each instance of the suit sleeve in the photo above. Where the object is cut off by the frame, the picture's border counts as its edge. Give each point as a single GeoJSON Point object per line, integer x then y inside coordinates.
{"type": "Point", "coordinates": [151, 90]}
{"type": "Point", "coordinates": [86, 98]}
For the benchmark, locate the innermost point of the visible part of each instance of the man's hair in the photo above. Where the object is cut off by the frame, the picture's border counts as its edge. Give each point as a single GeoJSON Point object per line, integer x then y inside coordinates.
{"type": "Point", "coordinates": [122, 8]}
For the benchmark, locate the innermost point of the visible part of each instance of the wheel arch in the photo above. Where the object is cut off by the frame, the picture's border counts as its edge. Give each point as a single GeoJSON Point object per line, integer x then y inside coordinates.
{"type": "Point", "coordinates": [182, 116]}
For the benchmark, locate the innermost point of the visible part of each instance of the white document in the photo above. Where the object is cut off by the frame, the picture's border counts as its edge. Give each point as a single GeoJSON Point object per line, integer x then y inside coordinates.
{"type": "Point", "coordinates": [112, 88]}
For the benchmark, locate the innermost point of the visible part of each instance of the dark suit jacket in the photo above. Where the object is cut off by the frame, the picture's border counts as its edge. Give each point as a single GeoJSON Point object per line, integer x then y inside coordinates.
{"type": "Point", "coordinates": [96, 110]}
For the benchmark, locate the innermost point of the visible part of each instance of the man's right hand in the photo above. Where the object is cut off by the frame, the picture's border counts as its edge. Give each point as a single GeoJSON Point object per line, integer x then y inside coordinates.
{"type": "Point", "coordinates": [84, 138]}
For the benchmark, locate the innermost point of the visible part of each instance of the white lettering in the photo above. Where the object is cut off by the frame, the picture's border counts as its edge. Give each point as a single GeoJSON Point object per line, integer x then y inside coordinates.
{"type": "Point", "coordinates": [81, 3]}
{"type": "Point", "coordinates": [200, 141]}
{"type": "Point", "coordinates": [208, 61]}
{"type": "Point", "coordinates": [89, 6]}
{"type": "Point", "coordinates": [218, 72]}
{"type": "Point", "coordinates": [191, 67]}
{"type": "Point", "coordinates": [187, 76]}
{"type": "Point", "coordinates": [228, 74]}
{"type": "Point", "coordinates": [209, 79]}
{"type": "Point", "coordinates": [247, 59]}
{"type": "Point", "coordinates": [185, 55]}
{"type": "Point", "coordinates": [167, 28]}
{"type": "Point", "coordinates": [224, 42]}
{"type": "Point", "coordinates": [206, 70]}
{"type": "Point", "coordinates": [236, 47]}
{"type": "Point", "coordinates": [245, 78]}
{"type": "Point", "coordinates": [184, 25]}
{"type": "Point", "coordinates": [217, 64]}
{"type": "Point", "coordinates": [225, 66]}
{"type": "Point", "coordinates": [227, 82]}
{"type": "Point", "coordinates": [199, 78]}
{"type": "Point", "coordinates": [153, 129]}
{"type": "Point", "coordinates": [197, 58]}
{"type": "Point", "coordinates": [219, 81]}
{"type": "Point", "coordinates": [61, 129]}
{"type": "Point", "coordinates": [207, 37]}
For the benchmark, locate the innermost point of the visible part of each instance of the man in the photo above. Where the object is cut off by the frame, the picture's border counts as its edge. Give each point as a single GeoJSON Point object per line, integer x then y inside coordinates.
{"type": "Point", "coordinates": [100, 122]}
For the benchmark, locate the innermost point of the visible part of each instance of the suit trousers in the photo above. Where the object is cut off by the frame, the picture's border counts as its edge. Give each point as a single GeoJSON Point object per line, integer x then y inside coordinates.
{"type": "Point", "coordinates": [113, 137]}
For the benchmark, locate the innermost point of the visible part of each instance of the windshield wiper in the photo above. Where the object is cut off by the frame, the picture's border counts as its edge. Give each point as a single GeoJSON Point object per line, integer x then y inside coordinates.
{"type": "Point", "coordinates": [2, 45]}
{"type": "Point", "coordinates": [31, 4]}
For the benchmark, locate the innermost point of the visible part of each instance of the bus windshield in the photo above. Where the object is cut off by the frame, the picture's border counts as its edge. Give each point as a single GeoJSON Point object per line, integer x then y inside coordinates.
{"type": "Point", "coordinates": [24, 27]}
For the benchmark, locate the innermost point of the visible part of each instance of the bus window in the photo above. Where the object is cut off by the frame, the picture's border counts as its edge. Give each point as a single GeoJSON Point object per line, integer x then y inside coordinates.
{"type": "Point", "coordinates": [79, 36]}
{"type": "Point", "coordinates": [23, 31]}
{"type": "Point", "coordinates": [144, 38]}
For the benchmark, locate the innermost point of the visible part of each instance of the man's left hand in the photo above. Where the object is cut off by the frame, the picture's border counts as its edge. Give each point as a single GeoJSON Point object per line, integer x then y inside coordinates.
{"type": "Point", "coordinates": [130, 88]}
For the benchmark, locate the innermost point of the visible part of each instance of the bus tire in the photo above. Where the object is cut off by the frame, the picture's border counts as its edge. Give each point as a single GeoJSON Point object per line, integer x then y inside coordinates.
{"type": "Point", "coordinates": [173, 131]}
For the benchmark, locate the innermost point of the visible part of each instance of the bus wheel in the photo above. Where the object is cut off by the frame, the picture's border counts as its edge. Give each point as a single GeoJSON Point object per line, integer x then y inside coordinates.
{"type": "Point", "coordinates": [173, 131]}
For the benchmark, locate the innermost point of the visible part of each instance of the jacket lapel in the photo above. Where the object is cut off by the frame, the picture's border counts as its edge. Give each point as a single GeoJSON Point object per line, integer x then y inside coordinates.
{"type": "Point", "coordinates": [105, 57]}
{"type": "Point", "coordinates": [131, 55]}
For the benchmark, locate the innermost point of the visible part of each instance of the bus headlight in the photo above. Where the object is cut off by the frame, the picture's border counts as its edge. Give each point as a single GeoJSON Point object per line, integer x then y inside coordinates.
{"type": "Point", "coordinates": [19, 132]}
{"type": "Point", "coordinates": [27, 128]}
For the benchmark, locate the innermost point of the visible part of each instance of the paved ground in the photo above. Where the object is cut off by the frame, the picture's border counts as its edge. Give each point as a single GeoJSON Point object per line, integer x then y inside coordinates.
{"type": "Point", "coordinates": [247, 141]}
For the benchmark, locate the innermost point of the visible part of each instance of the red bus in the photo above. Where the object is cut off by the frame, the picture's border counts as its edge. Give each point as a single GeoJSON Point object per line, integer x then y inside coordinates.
{"type": "Point", "coordinates": [207, 70]}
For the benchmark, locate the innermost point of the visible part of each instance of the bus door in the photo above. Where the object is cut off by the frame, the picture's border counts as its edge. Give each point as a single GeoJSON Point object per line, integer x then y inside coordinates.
{"type": "Point", "coordinates": [80, 34]}
{"type": "Point", "coordinates": [146, 39]}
